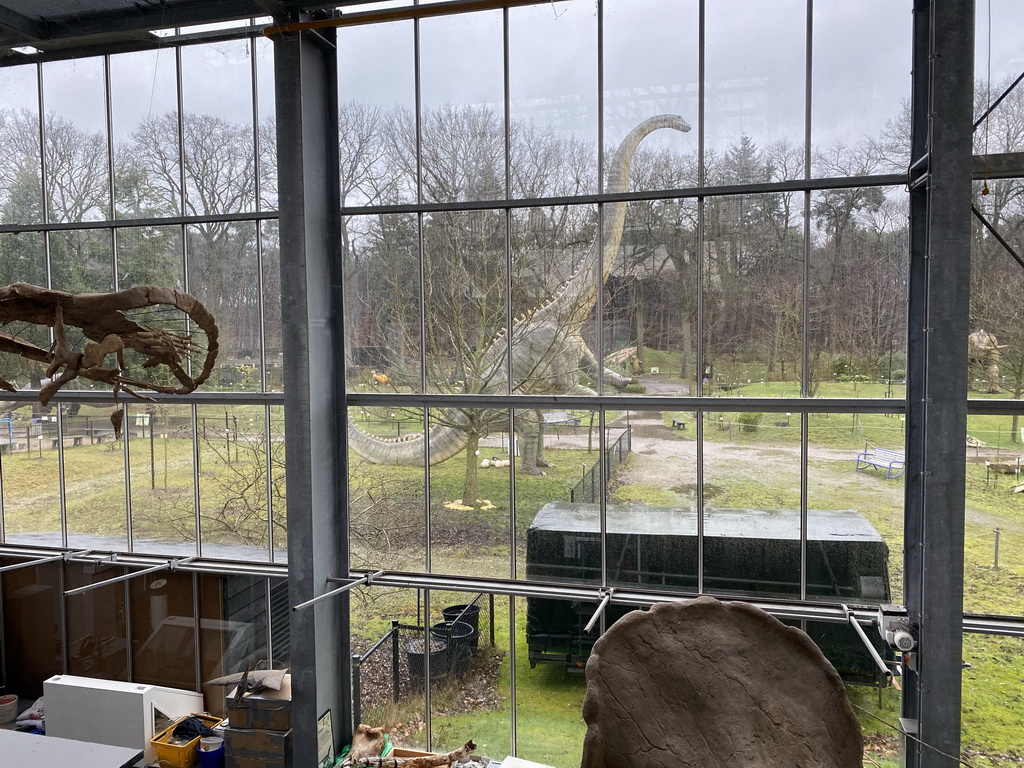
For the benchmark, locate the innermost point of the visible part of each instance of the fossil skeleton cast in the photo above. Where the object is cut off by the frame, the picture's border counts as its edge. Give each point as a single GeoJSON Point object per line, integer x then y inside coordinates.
{"type": "Point", "coordinates": [103, 320]}
{"type": "Point", "coordinates": [548, 353]}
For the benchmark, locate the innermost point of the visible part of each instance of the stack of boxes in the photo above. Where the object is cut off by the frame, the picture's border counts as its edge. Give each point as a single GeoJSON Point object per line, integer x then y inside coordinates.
{"type": "Point", "coordinates": [259, 732]}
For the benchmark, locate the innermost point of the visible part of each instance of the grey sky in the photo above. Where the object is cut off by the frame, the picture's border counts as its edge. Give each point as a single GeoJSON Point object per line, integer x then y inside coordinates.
{"type": "Point", "coordinates": [755, 68]}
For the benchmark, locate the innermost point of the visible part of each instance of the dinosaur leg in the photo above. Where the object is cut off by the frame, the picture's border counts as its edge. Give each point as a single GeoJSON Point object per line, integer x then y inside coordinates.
{"type": "Point", "coordinates": [529, 425]}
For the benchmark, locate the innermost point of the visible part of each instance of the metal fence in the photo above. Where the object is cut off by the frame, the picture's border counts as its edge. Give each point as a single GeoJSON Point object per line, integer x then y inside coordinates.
{"type": "Point", "coordinates": [588, 490]}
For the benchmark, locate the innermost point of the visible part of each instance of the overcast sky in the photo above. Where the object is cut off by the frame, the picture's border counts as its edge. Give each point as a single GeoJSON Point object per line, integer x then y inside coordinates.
{"type": "Point", "coordinates": [755, 68]}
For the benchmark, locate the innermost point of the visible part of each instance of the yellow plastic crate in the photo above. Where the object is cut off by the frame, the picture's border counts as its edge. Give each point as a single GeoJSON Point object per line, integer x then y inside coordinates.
{"type": "Point", "coordinates": [180, 755]}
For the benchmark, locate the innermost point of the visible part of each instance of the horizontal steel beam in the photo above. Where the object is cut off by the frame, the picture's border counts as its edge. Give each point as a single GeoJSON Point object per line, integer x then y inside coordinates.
{"type": "Point", "coordinates": [170, 221]}
{"type": "Point", "coordinates": [975, 407]}
{"type": "Point", "coordinates": [811, 611]}
{"type": "Point", "coordinates": [1005, 165]}
{"type": "Point", "coordinates": [696, 193]}
{"type": "Point", "coordinates": [93, 396]}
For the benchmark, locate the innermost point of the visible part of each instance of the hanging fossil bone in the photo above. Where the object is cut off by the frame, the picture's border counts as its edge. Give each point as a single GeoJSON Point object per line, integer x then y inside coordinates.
{"type": "Point", "coordinates": [107, 329]}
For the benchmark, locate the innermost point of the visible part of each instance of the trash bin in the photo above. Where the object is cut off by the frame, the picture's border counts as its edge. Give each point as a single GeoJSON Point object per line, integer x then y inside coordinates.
{"type": "Point", "coordinates": [438, 660]}
{"type": "Point", "coordinates": [458, 635]}
{"type": "Point", "coordinates": [467, 613]}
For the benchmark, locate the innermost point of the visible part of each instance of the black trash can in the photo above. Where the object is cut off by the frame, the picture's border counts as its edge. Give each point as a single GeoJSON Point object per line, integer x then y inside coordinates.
{"type": "Point", "coordinates": [439, 660]}
{"type": "Point", "coordinates": [458, 635]}
{"type": "Point", "coordinates": [469, 614]}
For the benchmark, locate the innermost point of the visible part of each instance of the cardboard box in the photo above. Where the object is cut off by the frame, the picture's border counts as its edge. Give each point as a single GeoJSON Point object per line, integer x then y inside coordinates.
{"type": "Point", "coordinates": [266, 710]}
{"type": "Point", "coordinates": [244, 747]}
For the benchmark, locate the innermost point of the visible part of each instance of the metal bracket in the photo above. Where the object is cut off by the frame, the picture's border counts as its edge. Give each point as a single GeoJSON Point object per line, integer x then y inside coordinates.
{"type": "Point", "coordinates": [606, 595]}
{"type": "Point", "coordinates": [879, 661]}
{"type": "Point", "coordinates": [345, 587]}
{"type": "Point", "coordinates": [172, 564]}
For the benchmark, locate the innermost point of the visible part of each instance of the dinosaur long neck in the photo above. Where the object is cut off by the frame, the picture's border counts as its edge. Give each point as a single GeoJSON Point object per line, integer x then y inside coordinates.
{"type": "Point", "coordinates": [580, 291]}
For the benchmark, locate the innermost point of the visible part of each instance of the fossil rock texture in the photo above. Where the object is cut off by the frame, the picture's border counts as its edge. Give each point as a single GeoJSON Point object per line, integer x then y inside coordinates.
{"type": "Point", "coordinates": [706, 684]}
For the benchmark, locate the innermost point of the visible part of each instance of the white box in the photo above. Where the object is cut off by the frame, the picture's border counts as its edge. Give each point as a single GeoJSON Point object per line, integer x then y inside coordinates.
{"type": "Point", "coordinates": [112, 712]}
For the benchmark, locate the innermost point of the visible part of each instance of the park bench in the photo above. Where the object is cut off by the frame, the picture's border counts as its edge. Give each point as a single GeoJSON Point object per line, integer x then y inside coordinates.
{"type": "Point", "coordinates": [75, 440]}
{"type": "Point", "coordinates": [893, 462]}
{"type": "Point", "coordinates": [678, 423]}
{"type": "Point", "coordinates": [555, 418]}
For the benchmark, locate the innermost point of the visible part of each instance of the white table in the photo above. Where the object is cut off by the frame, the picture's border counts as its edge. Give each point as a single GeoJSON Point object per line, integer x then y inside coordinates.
{"type": "Point", "coordinates": [30, 750]}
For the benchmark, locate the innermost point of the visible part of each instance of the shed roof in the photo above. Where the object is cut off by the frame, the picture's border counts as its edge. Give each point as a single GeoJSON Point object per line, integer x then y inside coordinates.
{"type": "Point", "coordinates": [822, 524]}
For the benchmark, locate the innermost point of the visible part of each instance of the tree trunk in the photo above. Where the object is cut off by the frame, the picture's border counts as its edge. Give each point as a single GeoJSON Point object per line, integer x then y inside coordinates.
{"type": "Point", "coordinates": [469, 489]}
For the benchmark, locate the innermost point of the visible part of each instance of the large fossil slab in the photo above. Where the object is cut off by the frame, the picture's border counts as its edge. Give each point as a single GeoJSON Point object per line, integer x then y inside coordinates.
{"type": "Point", "coordinates": [714, 685]}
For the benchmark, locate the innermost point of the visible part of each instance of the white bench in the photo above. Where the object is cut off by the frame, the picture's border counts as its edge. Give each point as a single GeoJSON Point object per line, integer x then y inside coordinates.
{"type": "Point", "coordinates": [893, 462]}
{"type": "Point", "coordinates": [556, 418]}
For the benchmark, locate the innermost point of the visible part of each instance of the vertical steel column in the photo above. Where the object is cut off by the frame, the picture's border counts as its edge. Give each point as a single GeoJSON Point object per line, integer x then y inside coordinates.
{"type": "Point", "coordinates": [305, 67]}
{"type": "Point", "coordinates": [940, 223]}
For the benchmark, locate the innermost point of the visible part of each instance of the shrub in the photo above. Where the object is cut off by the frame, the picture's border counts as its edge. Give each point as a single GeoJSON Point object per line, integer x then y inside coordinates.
{"type": "Point", "coordinates": [635, 389]}
{"type": "Point", "coordinates": [748, 421]}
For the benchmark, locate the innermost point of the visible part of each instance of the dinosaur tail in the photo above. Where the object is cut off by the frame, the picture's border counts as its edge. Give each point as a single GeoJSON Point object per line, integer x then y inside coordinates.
{"type": "Point", "coordinates": [408, 450]}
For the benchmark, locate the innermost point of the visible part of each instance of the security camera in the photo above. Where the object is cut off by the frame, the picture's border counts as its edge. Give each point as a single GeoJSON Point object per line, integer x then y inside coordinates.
{"type": "Point", "coordinates": [895, 628]}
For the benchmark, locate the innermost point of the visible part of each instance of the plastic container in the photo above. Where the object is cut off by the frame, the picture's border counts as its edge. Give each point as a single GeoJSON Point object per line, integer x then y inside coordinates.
{"type": "Point", "coordinates": [211, 752]}
{"type": "Point", "coordinates": [8, 708]}
{"type": "Point", "coordinates": [180, 755]}
{"type": "Point", "coordinates": [459, 636]}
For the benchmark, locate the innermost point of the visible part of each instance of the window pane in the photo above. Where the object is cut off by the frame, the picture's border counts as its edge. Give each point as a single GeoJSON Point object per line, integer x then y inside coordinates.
{"type": "Point", "coordinates": [144, 115]}
{"type": "Point", "coordinates": [992, 688]}
{"type": "Point", "coordinates": [223, 274]}
{"type": "Point", "coordinates": [23, 259]}
{"type": "Point", "coordinates": [266, 130]}
{"type": "Point", "coordinates": [863, 108]}
{"type": "Point", "coordinates": [651, 301]}
{"type": "Point", "coordinates": [233, 487]}
{"type": "Point", "coordinates": [755, 86]}
{"type": "Point", "coordinates": [31, 624]}
{"type": "Point", "coordinates": [378, 113]}
{"type": "Point", "coordinates": [149, 256]}
{"type": "Point", "coordinates": [218, 131]}
{"type": "Point", "coordinates": [31, 478]}
{"type": "Point", "coordinates": [382, 302]}
{"type": "Point", "coordinates": [470, 492]}
{"type": "Point", "coordinates": [752, 519]}
{"type": "Point", "coordinates": [81, 261]}
{"type": "Point", "coordinates": [162, 480]}
{"type": "Point", "coordinates": [994, 540]}
{"type": "Point", "coordinates": [21, 191]}
{"type": "Point", "coordinates": [232, 630]}
{"type": "Point", "coordinates": [273, 378]}
{"type": "Point", "coordinates": [651, 69]}
{"type": "Point", "coordinates": [463, 132]}
{"type": "Point", "coordinates": [466, 294]}
{"type": "Point", "coordinates": [97, 634]}
{"type": "Point", "coordinates": [549, 728]}
{"type": "Point", "coordinates": [278, 496]}
{"type": "Point", "coordinates": [77, 164]}
{"type": "Point", "coordinates": [753, 294]}
{"type": "Point", "coordinates": [858, 300]}
{"type": "Point", "coordinates": [387, 517]}
{"type": "Point", "coordinates": [554, 120]}
{"type": "Point", "coordinates": [94, 478]}
{"type": "Point", "coordinates": [163, 627]}
{"type": "Point", "coordinates": [470, 700]}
